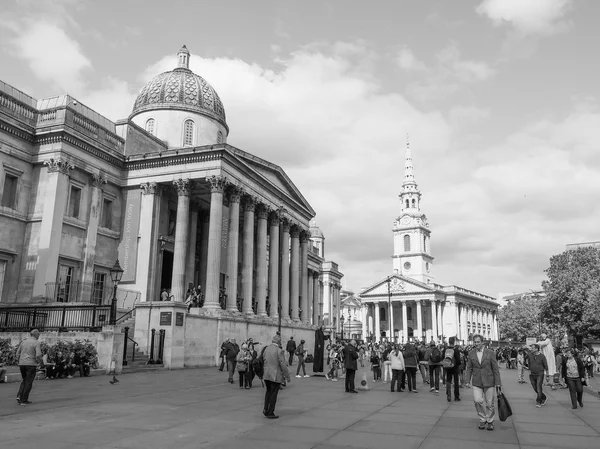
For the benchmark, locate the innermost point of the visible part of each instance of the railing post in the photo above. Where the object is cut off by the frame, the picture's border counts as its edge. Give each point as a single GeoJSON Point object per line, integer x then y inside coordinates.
{"type": "Point", "coordinates": [64, 315]}
{"type": "Point", "coordinates": [151, 361]}
{"type": "Point", "coordinates": [161, 346]}
{"type": "Point", "coordinates": [93, 317]}
{"type": "Point", "coordinates": [126, 332]}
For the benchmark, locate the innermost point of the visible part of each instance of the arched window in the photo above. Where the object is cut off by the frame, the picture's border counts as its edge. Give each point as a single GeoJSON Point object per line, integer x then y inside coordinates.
{"type": "Point", "coordinates": [414, 204]}
{"type": "Point", "coordinates": [424, 243]}
{"type": "Point", "coordinates": [407, 204]}
{"type": "Point", "coordinates": [382, 314]}
{"type": "Point", "coordinates": [219, 137]}
{"type": "Point", "coordinates": [188, 133]}
{"type": "Point", "coordinates": [407, 243]}
{"type": "Point", "coordinates": [150, 126]}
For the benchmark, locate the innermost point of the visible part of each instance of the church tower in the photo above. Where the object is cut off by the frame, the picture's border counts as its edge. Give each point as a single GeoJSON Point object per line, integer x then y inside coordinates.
{"type": "Point", "coordinates": [412, 256]}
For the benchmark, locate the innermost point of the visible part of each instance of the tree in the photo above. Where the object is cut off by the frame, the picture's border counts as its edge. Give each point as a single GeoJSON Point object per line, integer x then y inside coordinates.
{"type": "Point", "coordinates": [573, 292]}
{"type": "Point", "coordinates": [521, 318]}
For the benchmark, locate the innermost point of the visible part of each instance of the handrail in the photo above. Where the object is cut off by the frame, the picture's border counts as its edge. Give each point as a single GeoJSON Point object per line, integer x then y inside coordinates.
{"type": "Point", "coordinates": [124, 315]}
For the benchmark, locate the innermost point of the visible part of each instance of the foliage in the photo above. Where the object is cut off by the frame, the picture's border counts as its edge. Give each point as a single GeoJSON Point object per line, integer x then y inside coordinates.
{"type": "Point", "coordinates": [521, 318]}
{"type": "Point", "coordinates": [573, 292]}
{"type": "Point", "coordinates": [84, 348]}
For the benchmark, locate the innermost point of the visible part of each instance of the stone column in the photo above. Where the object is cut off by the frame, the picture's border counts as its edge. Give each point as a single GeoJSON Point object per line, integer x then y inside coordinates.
{"type": "Point", "coordinates": [316, 299]}
{"type": "Point", "coordinates": [495, 326]}
{"type": "Point", "coordinates": [434, 332]}
{"type": "Point", "coordinates": [233, 246]}
{"type": "Point", "coordinates": [261, 261]}
{"type": "Point", "coordinates": [419, 320]}
{"type": "Point", "coordinates": [295, 274]}
{"type": "Point", "coordinates": [204, 220]}
{"type": "Point", "coordinates": [248, 255]}
{"type": "Point", "coordinates": [274, 266]}
{"type": "Point", "coordinates": [404, 322]}
{"type": "Point", "coordinates": [391, 321]}
{"type": "Point", "coordinates": [148, 251]}
{"type": "Point", "coordinates": [306, 298]}
{"type": "Point", "coordinates": [182, 227]}
{"type": "Point", "coordinates": [320, 290]}
{"type": "Point", "coordinates": [310, 286]}
{"type": "Point", "coordinates": [213, 270]}
{"type": "Point", "coordinates": [54, 199]}
{"type": "Point", "coordinates": [191, 253]}
{"type": "Point", "coordinates": [363, 320]}
{"type": "Point", "coordinates": [326, 301]}
{"type": "Point", "coordinates": [440, 317]}
{"type": "Point", "coordinates": [463, 322]}
{"type": "Point", "coordinates": [89, 257]}
{"type": "Point", "coordinates": [377, 328]}
{"type": "Point", "coordinates": [285, 270]}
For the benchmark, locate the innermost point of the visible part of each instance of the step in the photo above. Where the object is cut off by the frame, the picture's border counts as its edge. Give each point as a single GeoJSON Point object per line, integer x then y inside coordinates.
{"type": "Point", "coordinates": [142, 368]}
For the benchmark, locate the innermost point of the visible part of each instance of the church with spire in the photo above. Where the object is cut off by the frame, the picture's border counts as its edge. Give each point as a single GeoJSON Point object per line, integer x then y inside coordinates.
{"type": "Point", "coordinates": [408, 305]}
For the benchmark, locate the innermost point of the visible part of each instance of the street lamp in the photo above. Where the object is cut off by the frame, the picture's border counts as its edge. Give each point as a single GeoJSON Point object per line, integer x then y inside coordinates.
{"type": "Point", "coordinates": [116, 273]}
{"type": "Point", "coordinates": [390, 308]}
{"type": "Point", "coordinates": [342, 319]}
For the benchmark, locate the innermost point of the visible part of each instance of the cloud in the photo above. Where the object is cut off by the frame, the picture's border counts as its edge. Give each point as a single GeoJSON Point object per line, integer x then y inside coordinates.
{"type": "Point", "coordinates": [528, 17]}
{"type": "Point", "coordinates": [407, 60]}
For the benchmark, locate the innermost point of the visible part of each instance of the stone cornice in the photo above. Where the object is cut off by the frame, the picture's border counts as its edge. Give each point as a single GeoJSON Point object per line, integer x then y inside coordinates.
{"type": "Point", "coordinates": [172, 158]}
{"type": "Point", "coordinates": [13, 130]}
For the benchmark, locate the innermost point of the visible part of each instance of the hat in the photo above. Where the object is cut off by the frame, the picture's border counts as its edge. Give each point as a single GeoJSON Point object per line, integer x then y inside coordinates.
{"type": "Point", "coordinates": [276, 339]}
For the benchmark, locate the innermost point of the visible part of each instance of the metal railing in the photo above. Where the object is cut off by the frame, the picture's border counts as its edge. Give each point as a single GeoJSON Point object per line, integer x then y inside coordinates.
{"type": "Point", "coordinates": [126, 345]}
{"type": "Point", "coordinates": [49, 318]}
{"type": "Point", "coordinates": [99, 293]}
{"type": "Point", "coordinates": [157, 343]}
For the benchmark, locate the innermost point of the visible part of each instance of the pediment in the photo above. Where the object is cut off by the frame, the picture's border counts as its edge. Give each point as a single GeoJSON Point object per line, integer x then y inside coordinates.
{"type": "Point", "coordinates": [273, 174]}
{"type": "Point", "coordinates": [351, 301]}
{"type": "Point", "coordinates": [397, 285]}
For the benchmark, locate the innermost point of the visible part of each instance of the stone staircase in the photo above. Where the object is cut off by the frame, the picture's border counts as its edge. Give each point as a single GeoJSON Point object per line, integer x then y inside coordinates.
{"type": "Point", "coordinates": [137, 361]}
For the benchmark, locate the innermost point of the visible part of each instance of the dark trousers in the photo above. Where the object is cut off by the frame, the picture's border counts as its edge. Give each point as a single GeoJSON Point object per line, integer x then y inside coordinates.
{"type": "Point", "coordinates": [452, 375]}
{"type": "Point", "coordinates": [350, 373]}
{"type": "Point", "coordinates": [50, 371]}
{"type": "Point", "coordinates": [271, 396]}
{"type": "Point", "coordinates": [291, 360]}
{"type": "Point", "coordinates": [537, 381]}
{"type": "Point", "coordinates": [301, 364]}
{"type": "Point", "coordinates": [231, 369]}
{"type": "Point", "coordinates": [376, 373]}
{"type": "Point", "coordinates": [396, 378]}
{"type": "Point", "coordinates": [434, 377]}
{"type": "Point", "coordinates": [244, 379]}
{"type": "Point", "coordinates": [84, 370]}
{"type": "Point", "coordinates": [411, 376]}
{"type": "Point", "coordinates": [590, 370]}
{"type": "Point", "coordinates": [575, 390]}
{"type": "Point", "coordinates": [28, 376]}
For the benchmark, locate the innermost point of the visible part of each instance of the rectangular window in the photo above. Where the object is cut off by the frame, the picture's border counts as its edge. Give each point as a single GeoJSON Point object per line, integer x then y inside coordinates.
{"type": "Point", "coordinates": [99, 288]}
{"type": "Point", "coordinates": [106, 219]}
{"type": "Point", "coordinates": [74, 202]}
{"type": "Point", "coordinates": [9, 193]}
{"type": "Point", "coordinates": [66, 288]}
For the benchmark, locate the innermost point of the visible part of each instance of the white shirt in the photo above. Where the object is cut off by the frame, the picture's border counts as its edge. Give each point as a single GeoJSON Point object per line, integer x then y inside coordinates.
{"type": "Point", "coordinates": [480, 355]}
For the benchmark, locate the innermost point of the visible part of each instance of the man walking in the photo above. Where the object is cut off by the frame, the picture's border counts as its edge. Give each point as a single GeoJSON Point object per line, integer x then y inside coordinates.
{"type": "Point", "coordinates": [275, 371]}
{"type": "Point", "coordinates": [451, 364]}
{"type": "Point", "coordinates": [350, 357]}
{"type": "Point", "coordinates": [482, 371]}
{"type": "Point", "coordinates": [291, 348]}
{"type": "Point", "coordinates": [301, 352]}
{"type": "Point", "coordinates": [537, 366]}
{"type": "Point", "coordinates": [29, 355]}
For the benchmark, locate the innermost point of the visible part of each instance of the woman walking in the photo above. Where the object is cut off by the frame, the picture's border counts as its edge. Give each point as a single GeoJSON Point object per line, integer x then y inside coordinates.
{"type": "Point", "coordinates": [574, 373]}
{"type": "Point", "coordinates": [411, 362]}
{"type": "Point", "coordinates": [243, 358]}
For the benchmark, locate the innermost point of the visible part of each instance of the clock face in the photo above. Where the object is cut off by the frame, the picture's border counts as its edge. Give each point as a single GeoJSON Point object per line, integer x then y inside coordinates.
{"type": "Point", "coordinates": [406, 220]}
{"type": "Point", "coordinates": [407, 266]}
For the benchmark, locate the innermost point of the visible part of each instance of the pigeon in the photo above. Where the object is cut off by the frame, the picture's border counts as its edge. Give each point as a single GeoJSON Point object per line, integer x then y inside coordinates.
{"type": "Point", "coordinates": [114, 381]}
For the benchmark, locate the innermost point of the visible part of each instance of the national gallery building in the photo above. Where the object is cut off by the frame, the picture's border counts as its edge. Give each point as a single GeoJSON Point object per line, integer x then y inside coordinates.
{"type": "Point", "coordinates": [162, 192]}
{"type": "Point", "coordinates": [408, 305]}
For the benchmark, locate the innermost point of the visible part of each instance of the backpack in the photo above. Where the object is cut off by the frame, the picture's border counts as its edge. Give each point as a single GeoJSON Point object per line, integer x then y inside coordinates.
{"type": "Point", "coordinates": [300, 350]}
{"type": "Point", "coordinates": [588, 361]}
{"type": "Point", "coordinates": [258, 365]}
{"type": "Point", "coordinates": [448, 361]}
{"type": "Point", "coordinates": [436, 355]}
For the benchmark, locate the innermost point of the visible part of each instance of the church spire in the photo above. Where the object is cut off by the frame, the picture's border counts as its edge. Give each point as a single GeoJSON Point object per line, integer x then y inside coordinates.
{"type": "Point", "coordinates": [409, 176]}
{"type": "Point", "coordinates": [410, 195]}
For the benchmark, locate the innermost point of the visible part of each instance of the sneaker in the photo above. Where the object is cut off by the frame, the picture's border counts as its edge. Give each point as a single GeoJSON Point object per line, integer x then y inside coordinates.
{"type": "Point", "coordinates": [437, 391]}
{"type": "Point", "coordinates": [544, 401]}
{"type": "Point", "coordinates": [481, 426]}
{"type": "Point", "coordinates": [25, 403]}
{"type": "Point", "coordinates": [306, 375]}
{"type": "Point", "coordinates": [19, 400]}
{"type": "Point", "coordinates": [431, 389]}
{"type": "Point", "coordinates": [334, 380]}
{"type": "Point", "coordinates": [538, 405]}
{"type": "Point", "coordinates": [415, 391]}
{"type": "Point", "coordinates": [327, 376]}
{"type": "Point", "coordinates": [69, 377]}
{"type": "Point", "coordinates": [298, 376]}
{"type": "Point", "coordinates": [490, 426]}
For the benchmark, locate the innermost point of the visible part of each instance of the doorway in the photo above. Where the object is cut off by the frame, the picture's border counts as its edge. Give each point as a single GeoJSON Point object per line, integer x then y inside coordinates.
{"type": "Point", "coordinates": [167, 270]}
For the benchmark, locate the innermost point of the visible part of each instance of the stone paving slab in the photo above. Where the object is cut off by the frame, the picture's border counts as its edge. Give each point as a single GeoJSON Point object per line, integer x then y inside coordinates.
{"type": "Point", "coordinates": [197, 408]}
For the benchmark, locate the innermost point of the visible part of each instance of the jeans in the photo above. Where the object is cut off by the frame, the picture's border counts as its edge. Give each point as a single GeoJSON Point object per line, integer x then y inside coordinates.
{"type": "Point", "coordinates": [484, 403]}
{"type": "Point", "coordinates": [434, 377]}
{"type": "Point", "coordinates": [271, 396]}
{"type": "Point", "coordinates": [291, 360]}
{"type": "Point", "coordinates": [28, 375]}
{"type": "Point", "coordinates": [396, 378]}
{"type": "Point", "coordinates": [376, 373]}
{"type": "Point", "coordinates": [301, 364]}
{"type": "Point", "coordinates": [230, 369]}
{"type": "Point", "coordinates": [423, 369]}
{"type": "Point", "coordinates": [537, 381]}
{"type": "Point", "coordinates": [520, 369]}
{"type": "Point", "coordinates": [387, 371]}
{"type": "Point", "coordinates": [575, 390]}
{"type": "Point", "coordinates": [411, 376]}
{"type": "Point", "coordinates": [452, 374]}
{"type": "Point", "coordinates": [350, 373]}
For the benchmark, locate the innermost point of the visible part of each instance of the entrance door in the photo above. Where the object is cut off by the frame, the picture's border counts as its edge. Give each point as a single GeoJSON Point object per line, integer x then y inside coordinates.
{"type": "Point", "coordinates": [2, 274]}
{"type": "Point", "coordinates": [167, 270]}
{"type": "Point", "coordinates": [65, 289]}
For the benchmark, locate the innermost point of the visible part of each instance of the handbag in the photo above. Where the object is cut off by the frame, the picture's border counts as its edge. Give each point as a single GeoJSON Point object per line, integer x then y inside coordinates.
{"type": "Point", "coordinates": [504, 409]}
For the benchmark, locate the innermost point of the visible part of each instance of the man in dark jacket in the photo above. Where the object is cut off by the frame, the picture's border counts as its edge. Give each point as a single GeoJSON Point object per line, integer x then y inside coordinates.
{"type": "Point", "coordinates": [538, 365]}
{"type": "Point", "coordinates": [231, 353]}
{"type": "Point", "coordinates": [452, 373]}
{"type": "Point", "coordinates": [291, 348]}
{"type": "Point", "coordinates": [350, 357]}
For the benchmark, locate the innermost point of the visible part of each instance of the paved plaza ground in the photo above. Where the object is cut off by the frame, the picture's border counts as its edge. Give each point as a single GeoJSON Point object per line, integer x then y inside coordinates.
{"type": "Point", "coordinates": [196, 408]}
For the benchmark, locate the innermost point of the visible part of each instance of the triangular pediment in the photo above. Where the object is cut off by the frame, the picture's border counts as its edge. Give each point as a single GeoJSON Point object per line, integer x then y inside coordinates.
{"type": "Point", "coordinates": [397, 285]}
{"type": "Point", "coordinates": [273, 174]}
{"type": "Point", "coordinates": [351, 301]}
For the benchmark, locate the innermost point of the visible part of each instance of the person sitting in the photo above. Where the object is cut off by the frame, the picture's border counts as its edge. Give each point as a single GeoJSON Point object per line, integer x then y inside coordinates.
{"type": "Point", "coordinates": [81, 361]}
{"type": "Point", "coordinates": [49, 364]}
{"type": "Point", "coordinates": [72, 367]}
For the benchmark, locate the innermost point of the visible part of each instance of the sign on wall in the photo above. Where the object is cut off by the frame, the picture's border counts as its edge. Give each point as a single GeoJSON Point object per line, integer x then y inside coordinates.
{"type": "Point", "coordinates": [129, 241]}
{"type": "Point", "coordinates": [530, 340]}
{"type": "Point", "coordinates": [165, 318]}
{"type": "Point", "coordinates": [178, 318]}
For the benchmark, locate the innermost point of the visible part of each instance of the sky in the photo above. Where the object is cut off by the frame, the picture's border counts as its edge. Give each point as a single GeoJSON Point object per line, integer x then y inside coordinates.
{"type": "Point", "coordinates": [499, 99]}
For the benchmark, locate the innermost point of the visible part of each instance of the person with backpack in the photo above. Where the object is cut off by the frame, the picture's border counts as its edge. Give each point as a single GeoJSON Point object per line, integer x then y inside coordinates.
{"type": "Point", "coordinates": [435, 365]}
{"type": "Point", "coordinates": [301, 352]}
{"type": "Point", "coordinates": [451, 365]}
{"type": "Point", "coordinates": [375, 366]}
{"type": "Point", "coordinates": [275, 371]}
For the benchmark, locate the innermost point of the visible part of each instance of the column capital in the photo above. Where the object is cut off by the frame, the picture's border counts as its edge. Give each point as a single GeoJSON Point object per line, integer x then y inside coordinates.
{"type": "Point", "coordinates": [249, 203]}
{"type": "Point", "coordinates": [286, 225]}
{"type": "Point", "coordinates": [417, 300]}
{"type": "Point", "coordinates": [60, 165]}
{"type": "Point", "coordinates": [295, 232]}
{"type": "Point", "coordinates": [183, 186]}
{"type": "Point", "coordinates": [217, 183]}
{"type": "Point", "coordinates": [150, 188]}
{"type": "Point", "coordinates": [263, 212]}
{"type": "Point", "coordinates": [234, 193]}
{"type": "Point", "coordinates": [97, 179]}
{"type": "Point", "coordinates": [304, 236]}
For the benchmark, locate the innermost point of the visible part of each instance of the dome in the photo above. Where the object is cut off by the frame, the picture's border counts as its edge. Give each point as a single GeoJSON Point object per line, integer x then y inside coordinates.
{"type": "Point", "coordinates": [180, 89]}
{"type": "Point", "coordinates": [315, 231]}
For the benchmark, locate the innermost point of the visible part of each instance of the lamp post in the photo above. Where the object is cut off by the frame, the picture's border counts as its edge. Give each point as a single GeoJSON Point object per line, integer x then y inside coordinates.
{"type": "Point", "coordinates": [116, 273]}
{"type": "Point", "coordinates": [342, 319]}
{"type": "Point", "coordinates": [390, 308]}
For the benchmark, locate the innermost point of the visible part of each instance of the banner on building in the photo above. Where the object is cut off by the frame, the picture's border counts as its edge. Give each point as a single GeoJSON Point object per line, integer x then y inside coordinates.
{"type": "Point", "coordinates": [129, 240]}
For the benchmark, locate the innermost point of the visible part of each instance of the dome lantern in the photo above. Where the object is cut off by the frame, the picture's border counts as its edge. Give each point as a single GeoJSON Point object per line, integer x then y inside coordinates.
{"type": "Point", "coordinates": [184, 58]}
